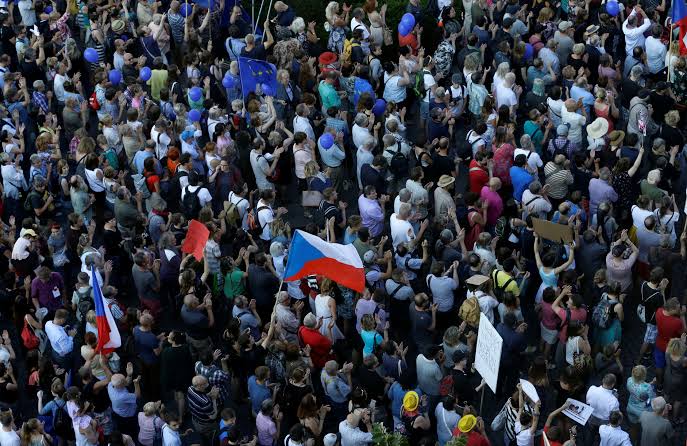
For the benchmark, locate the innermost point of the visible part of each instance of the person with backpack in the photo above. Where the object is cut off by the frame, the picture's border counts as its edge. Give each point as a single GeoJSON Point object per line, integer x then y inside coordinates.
{"type": "Point", "coordinates": [397, 155]}
{"type": "Point", "coordinates": [607, 317]}
{"type": "Point", "coordinates": [503, 280]}
{"type": "Point", "coordinates": [265, 214]}
{"type": "Point", "coordinates": [194, 197]}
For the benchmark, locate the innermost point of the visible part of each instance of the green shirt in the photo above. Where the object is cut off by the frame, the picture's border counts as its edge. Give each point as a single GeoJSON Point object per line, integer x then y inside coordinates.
{"type": "Point", "coordinates": [652, 191]}
{"type": "Point", "coordinates": [233, 284]}
{"type": "Point", "coordinates": [330, 98]}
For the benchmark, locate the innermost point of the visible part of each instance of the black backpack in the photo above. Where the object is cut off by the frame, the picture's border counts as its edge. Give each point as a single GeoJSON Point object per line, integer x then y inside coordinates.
{"type": "Point", "coordinates": [174, 194]}
{"type": "Point", "coordinates": [399, 165]}
{"type": "Point", "coordinates": [191, 203]}
{"type": "Point", "coordinates": [62, 423]}
{"type": "Point", "coordinates": [320, 216]}
{"type": "Point", "coordinates": [85, 303]}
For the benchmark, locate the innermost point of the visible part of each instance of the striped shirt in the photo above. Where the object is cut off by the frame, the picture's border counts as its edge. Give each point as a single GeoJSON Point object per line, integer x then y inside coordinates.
{"type": "Point", "coordinates": [558, 179]}
{"type": "Point", "coordinates": [216, 377]}
{"type": "Point", "coordinates": [200, 405]}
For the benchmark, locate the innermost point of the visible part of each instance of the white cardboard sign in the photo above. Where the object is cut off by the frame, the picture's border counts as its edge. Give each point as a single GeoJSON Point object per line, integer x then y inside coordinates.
{"type": "Point", "coordinates": [488, 352]}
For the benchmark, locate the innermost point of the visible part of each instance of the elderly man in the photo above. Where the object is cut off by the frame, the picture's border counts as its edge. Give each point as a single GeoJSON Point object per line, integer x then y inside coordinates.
{"type": "Point", "coordinates": [126, 213]}
{"type": "Point", "coordinates": [639, 120]}
{"type": "Point", "coordinates": [320, 345]}
{"type": "Point", "coordinates": [364, 156]}
{"type": "Point", "coordinates": [564, 38]}
{"type": "Point", "coordinates": [508, 93]}
{"type": "Point", "coordinates": [198, 320]}
{"type": "Point", "coordinates": [656, 428]}
{"type": "Point", "coordinates": [535, 200]}
{"type": "Point", "coordinates": [401, 229]}
{"type": "Point", "coordinates": [600, 189]}
{"type": "Point", "coordinates": [288, 317]}
{"type": "Point", "coordinates": [558, 178]}
{"type": "Point", "coordinates": [490, 194]}
{"type": "Point", "coordinates": [603, 401]}
{"type": "Point", "coordinates": [47, 289]}
{"type": "Point", "coordinates": [649, 186]}
{"type": "Point", "coordinates": [202, 404]}
{"type": "Point", "coordinates": [575, 120]}
{"type": "Point", "coordinates": [216, 376]}
{"type": "Point", "coordinates": [124, 406]}
{"type": "Point", "coordinates": [371, 208]}
{"type": "Point", "coordinates": [443, 199]}
{"type": "Point", "coordinates": [580, 91]}
{"type": "Point", "coordinates": [634, 30]}
{"type": "Point", "coordinates": [61, 341]}
{"type": "Point", "coordinates": [337, 385]}
{"type": "Point", "coordinates": [351, 434]}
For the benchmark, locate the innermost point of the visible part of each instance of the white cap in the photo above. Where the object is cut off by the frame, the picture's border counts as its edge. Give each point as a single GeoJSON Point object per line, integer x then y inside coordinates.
{"type": "Point", "coordinates": [330, 439]}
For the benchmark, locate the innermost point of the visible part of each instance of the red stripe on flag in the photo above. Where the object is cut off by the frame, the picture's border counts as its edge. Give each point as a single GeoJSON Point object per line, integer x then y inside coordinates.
{"type": "Point", "coordinates": [103, 335]}
{"type": "Point", "coordinates": [341, 273]}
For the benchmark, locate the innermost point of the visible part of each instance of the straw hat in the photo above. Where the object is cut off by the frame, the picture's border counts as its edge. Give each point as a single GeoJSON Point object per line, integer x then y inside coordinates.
{"type": "Point", "coordinates": [410, 401]}
{"type": "Point", "coordinates": [616, 137]}
{"type": "Point", "coordinates": [118, 25]}
{"type": "Point", "coordinates": [598, 128]}
{"type": "Point", "coordinates": [467, 423]}
{"type": "Point", "coordinates": [477, 280]}
{"type": "Point", "coordinates": [445, 180]}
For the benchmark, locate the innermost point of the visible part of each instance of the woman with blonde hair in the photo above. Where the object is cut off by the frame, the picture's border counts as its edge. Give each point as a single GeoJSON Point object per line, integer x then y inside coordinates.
{"type": "Point", "coordinates": [32, 434]}
{"type": "Point", "coordinates": [500, 76]}
{"type": "Point", "coordinates": [672, 56]}
{"type": "Point", "coordinates": [317, 180]}
{"type": "Point", "coordinates": [674, 376]}
{"type": "Point", "coordinates": [604, 107]}
{"type": "Point", "coordinates": [325, 309]}
{"type": "Point", "coordinates": [640, 391]}
{"type": "Point", "coordinates": [336, 25]}
{"type": "Point", "coordinates": [149, 422]}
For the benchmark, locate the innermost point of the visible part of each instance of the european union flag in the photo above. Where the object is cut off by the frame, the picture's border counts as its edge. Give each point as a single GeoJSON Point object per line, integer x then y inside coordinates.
{"type": "Point", "coordinates": [254, 72]}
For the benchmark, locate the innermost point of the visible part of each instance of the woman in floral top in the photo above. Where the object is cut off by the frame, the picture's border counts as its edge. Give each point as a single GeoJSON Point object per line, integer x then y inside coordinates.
{"type": "Point", "coordinates": [679, 81]}
{"type": "Point", "coordinates": [503, 154]}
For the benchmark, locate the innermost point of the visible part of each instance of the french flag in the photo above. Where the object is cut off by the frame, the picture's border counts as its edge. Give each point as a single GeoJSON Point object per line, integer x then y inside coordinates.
{"type": "Point", "coordinates": [679, 18]}
{"type": "Point", "coordinates": [108, 333]}
{"type": "Point", "coordinates": [309, 254]}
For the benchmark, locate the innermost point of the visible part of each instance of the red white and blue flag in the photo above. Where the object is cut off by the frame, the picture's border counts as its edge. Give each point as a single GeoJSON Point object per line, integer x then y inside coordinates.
{"type": "Point", "coordinates": [679, 18]}
{"type": "Point", "coordinates": [108, 333]}
{"type": "Point", "coordinates": [309, 254]}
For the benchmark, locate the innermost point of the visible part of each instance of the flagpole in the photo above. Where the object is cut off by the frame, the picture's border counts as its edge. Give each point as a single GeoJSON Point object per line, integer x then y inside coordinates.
{"type": "Point", "coordinates": [670, 55]}
{"type": "Point", "coordinates": [257, 21]}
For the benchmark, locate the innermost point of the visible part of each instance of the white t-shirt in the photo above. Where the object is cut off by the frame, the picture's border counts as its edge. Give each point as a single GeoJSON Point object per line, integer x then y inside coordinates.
{"type": "Point", "coordinates": [506, 96]}
{"type": "Point", "coordinates": [638, 216]}
{"type": "Point", "coordinates": [162, 142]}
{"type": "Point", "coordinates": [301, 124]}
{"type": "Point", "coordinates": [242, 206]}
{"type": "Point", "coordinates": [429, 81]}
{"type": "Point", "coordinates": [260, 163]}
{"type": "Point", "coordinates": [401, 231]}
{"type": "Point", "coordinates": [204, 196]}
{"type": "Point", "coordinates": [357, 24]}
{"type": "Point", "coordinates": [525, 437]}
{"type": "Point", "coordinates": [533, 159]}
{"type": "Point", "coordinates": [265, 217]}
{"type": "Point", "coordinates": [576, 122]}
{"type": "Point", "coordinates": [9, 438]}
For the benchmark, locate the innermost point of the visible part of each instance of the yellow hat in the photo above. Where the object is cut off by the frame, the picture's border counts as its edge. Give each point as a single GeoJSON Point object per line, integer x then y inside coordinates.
{"type": "Point", "coordinates": [467, 423]}
{"type": "Point", "coordinates": [410, 401]}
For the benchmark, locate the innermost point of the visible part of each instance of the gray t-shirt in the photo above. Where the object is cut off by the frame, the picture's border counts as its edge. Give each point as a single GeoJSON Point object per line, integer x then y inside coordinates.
{"type": "Point", "coordinates": [145, 283]}
{"type": "Point", "coordinates": [655, 429]}
{"type": "Point", "coordinates": [442, 291]}
{"type": "Point", "coordinates": [403, 293]}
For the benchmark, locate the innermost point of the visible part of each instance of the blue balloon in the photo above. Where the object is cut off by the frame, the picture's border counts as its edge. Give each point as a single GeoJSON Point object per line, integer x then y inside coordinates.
{"type": "Point", "coordinates": [195, 94]}
{"type": "Point", "coordinates": [194, 115]}
{"type": "Point", "coordinates": [404, 29]}
{"type": "Point", "coordinates": [612, 8]}
{"type": "Point", "coordinates": [186, 10]}
{"type": "Point", "coordinates": [115, 76]}
{"type": "Point", "coordinates": [379, 107]}
{"type": "Point", "coordinates": [267, 90]}
{"type": "Point", "coordinates": [145, 73]}
{"type": "Point", "coordinates": [529, 51]}
{"type": "Point", "coordinates": [408, 19]}
{"type": "Point", "coordinates": [47, 9]}
{"type": "Point", "coordinates": [326, 140]}
{"type": "Point", "coordinates": [91, 55]}
{"type": "Point", "coordinates": [228, 81]}
{"type": "Point", "coordinates": [124, 37]}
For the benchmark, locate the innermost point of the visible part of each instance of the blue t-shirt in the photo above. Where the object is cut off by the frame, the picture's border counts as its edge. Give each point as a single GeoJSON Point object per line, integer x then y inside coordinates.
{"type": "Point", "coordinates": [396, 394]}
{"type": "Point", "coordinates": [371, 339]}
{"type": "Point", "coordinates": [145, 342]}
{"type": "Point", "coordinates": [258, 393]}
{"type": "Point", "coordinates": [521, 180]}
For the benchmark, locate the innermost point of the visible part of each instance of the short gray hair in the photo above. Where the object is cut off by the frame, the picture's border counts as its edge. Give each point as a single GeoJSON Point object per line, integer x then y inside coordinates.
{"type": "Point", "coordinates": [658, 404]}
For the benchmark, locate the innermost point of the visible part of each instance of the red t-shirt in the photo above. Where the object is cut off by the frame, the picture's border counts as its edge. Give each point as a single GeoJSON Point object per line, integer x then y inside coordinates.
{"type": "Point", "coordinates": [320, 345]}
{"type": "Point", "coordinates": [479, 177]}
{"type": "Point", "coordinates": [551, 442]}
{"type": "Point", "coordinates": [669, 327]}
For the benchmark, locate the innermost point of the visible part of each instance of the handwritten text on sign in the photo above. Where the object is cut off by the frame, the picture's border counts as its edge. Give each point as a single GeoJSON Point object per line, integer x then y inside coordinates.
{"type": "Point", "coordinates": [488, 353]}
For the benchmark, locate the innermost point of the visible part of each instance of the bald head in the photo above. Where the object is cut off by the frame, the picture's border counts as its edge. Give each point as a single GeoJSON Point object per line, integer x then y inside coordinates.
{"type": "Point", "coordinates": [495, 184]}
{"type": "Point", "coordinates": [199, 382]}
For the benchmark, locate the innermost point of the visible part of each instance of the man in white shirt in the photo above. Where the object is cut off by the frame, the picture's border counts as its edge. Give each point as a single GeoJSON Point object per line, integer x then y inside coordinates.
{"type": "Point", "coordinates": [361, 129]}
{"type": "Point", "coordinates": [534, 161]}
{"type": "Point", "coordinates": [301, 123]}
{"type": "Point", "coordinates": [160, 137]}
{"type": "Point", "coordinates": [507, 93]}
{"type": "Point", "coordinates": [238, 198]}
{"type": "Point", "coordinates": [634, 31]}
{"type": "Point", "coordinates": [28, 12]}
{"type": "Point", "coordinates": [612, 434]}
{"type": "Point", "coordinates": [575, 120]}
{"type": "Point", "coordinates": [656, 50]}
{"type": "Point", "coordinates": [351, 435]}
{"type": "Point", "coordinates": [401, 229]}
{"type": "Point", "coordinates": [535, 201]}
{"type": "Point", "coordinates": [357, 22]}
{"type": "Point", "coordinates": [263, 164]}
{"type": "Point", "coordinates": [193, 188]}
{"type": "Point", "coordinates": [8, 436]}
{"type": "Point", "coordinates": [266, 214]}
{"type": "Point", "coordinates": [603, 400]}
{"type": "Point", "coordinates": [61, 341]}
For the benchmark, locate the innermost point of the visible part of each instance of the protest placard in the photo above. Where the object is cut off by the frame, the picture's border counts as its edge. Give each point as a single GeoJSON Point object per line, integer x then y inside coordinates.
{"type": "Point", "coordinates": [553, 231]}
{"type": "Point", "coordinates": [488, 352]}
{"type": "Point", "coordinates": [578, 411]}
{"type": "Point", "coordinates": [529, 390]}
{"type": "Point", "coordinates": [196, 238]}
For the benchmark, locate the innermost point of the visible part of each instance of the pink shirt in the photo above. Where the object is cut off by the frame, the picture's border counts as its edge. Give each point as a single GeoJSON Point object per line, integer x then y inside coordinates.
{"type": "Point", "coordinates": [146, 425]}
{"type": "Point", "coordinates": [495, 204]}
{"type": "Point", "coordinates": [266, 430]}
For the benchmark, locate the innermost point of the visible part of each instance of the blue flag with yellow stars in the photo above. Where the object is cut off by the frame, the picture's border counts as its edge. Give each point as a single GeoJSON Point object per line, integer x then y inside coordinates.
{"type": "Point", "coordinates": [257, 72]}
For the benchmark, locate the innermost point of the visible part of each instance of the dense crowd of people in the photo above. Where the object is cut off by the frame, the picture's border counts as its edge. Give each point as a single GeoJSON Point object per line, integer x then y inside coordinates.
{"type": "Point", "coordinates": [515, 164]}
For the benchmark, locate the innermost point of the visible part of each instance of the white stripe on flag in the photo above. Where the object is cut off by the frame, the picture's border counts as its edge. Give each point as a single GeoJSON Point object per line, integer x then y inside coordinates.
{"type": "Point", "coordinates": [115, 337]}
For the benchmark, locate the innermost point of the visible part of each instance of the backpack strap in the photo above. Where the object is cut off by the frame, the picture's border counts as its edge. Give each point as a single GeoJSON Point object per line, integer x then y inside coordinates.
{"type": "Point", "coordinates": [396, 290]}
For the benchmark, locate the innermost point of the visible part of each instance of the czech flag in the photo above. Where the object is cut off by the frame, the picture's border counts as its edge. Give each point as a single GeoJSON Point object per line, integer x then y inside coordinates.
{"type": "Point", "coordinates": [108, 333]}
{"type": "Point", "coordinates": [679, 17]}
{"type": "Point", "coordinates": [310, 254]}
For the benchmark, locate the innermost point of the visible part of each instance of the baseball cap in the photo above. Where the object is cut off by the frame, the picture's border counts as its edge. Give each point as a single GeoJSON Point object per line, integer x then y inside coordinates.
{"type": "Point", "coordinates": [330, 439]}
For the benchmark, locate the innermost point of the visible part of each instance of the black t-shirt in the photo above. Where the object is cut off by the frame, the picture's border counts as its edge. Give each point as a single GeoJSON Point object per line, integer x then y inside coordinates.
{"type": "Point", "coordinates": [442, 165]}
{"type": "Point", "coordinates": [196, 322]}
{"type": "Point", "coordinates": [662, 104]}
{"type": "Point", "coordinates": [653, 300]}
{"type": "Point", "coordinates": [6, 36]}
{"type": "Point", "coordinates": [370, 380]}
{"type": "Point", "coordinates": [672, 136]}
{"type": "Point", "coordinates": [629, 89]}
{"type": "Point", "coordinates": [463, 386]}
{"type": "Point", "coordinates": [258, 52]}
{"type": "Point", "coordinates": [370, 176]}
